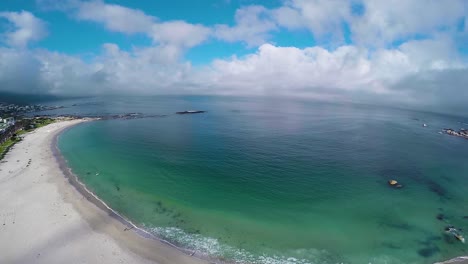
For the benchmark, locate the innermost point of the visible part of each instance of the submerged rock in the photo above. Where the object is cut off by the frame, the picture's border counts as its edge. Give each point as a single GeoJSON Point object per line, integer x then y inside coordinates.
{"type": "Point", "coordinates": [428, 252]}
{"type": "Point", "coordinates": [436, 188]}
{"type": "Point", "coordinates": [440, 217]}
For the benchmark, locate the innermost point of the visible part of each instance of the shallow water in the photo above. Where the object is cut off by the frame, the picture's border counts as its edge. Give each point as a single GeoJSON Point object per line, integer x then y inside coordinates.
{"type": "Point", "coordinates": [279, 181]}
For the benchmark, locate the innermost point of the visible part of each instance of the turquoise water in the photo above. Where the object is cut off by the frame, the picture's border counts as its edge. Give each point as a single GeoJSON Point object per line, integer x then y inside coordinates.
{"type": "Point", "coordinates": [272, 181]}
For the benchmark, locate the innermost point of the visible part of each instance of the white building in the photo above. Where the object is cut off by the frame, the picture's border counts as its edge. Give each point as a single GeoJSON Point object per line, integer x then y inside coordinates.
{"type": "Point", "coordinates": [9, 121]}
{"type": "Point", "coordinates": [3, 127]}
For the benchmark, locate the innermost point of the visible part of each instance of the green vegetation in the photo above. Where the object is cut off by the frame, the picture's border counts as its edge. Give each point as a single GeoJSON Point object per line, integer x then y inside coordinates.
{"type": "Point", "coordinates": [44, 122]}
{"type": "Point", "coordinates": [31, 124]}
{"type": "Point", "coordinates": [4, 147]}
{"type": "Point", "coordinates": [22, 131]}
{"type": "Point", "coordinates": [28, 125]}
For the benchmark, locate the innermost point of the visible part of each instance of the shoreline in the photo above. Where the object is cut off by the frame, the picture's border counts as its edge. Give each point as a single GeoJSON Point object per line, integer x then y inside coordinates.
{"type": "Point", "coordinates": [95, 200]}
{"type": "Point", "coordinates": [35, 212]}
{"type": "Point", "coordinates": [458, 260]}
{"type": "Point", "coordinates": [45, 218]}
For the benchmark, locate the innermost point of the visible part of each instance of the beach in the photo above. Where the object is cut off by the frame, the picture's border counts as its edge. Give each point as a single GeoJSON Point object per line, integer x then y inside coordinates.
{"type": "Point", "coordinates": [45, 219]}
{"type": "Point", "coordinates": [215, 184]}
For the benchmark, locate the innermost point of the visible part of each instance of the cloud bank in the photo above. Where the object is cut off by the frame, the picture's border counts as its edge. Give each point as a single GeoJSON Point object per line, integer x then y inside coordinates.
{"type": "Point", "coordinates": [24, 28]}
{"type": "Point", "coordinates": [393, 56]}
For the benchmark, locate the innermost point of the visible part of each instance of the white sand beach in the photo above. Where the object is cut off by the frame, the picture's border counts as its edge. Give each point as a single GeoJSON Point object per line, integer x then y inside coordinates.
{"type": "Point", "coordinates": [459, 260]}
{"type": "Point", "coordinates": [44, 219]}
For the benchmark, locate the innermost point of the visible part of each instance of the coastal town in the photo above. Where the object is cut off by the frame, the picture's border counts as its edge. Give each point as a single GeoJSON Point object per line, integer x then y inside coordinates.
{"type": "Point", "coordinates": [14, 122]}
{"type": "Point", "coordinates": [14, 117]}
{"type": "Point", "coordinates": [6, 123]}
{"type": "Point", "coordinates": [16, 109]}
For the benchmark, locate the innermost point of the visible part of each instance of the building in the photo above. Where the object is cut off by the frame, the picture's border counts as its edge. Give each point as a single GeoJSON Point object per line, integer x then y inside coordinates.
{"type": "Point", "coordinates": [3, 127]}
{"type": "Point", "coordinates": [10, 121]}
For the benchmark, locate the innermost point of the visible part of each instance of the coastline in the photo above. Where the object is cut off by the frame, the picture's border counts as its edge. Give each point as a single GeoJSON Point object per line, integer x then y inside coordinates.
{"type": "Point", "coordinates": [458, 260]}
{"type": "Point", "coordinates": [129, 226]}
{"type": "Point", "coordinates": [47, 217]}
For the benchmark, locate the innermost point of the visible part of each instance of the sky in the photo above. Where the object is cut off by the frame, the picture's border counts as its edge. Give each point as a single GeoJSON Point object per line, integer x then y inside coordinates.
{"type": "Point", "coordinates": [398, 52]}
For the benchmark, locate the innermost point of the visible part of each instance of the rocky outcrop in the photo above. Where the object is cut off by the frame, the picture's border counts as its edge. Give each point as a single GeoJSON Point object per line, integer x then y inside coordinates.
{"type": "Point", "coordinates": [190, 112]}
{"type": "Point", "coordinates": [460, 133]}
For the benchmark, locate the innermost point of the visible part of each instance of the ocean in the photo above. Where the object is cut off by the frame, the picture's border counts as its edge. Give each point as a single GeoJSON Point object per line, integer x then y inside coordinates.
{"type": "Point", "coordinates": [274, 180]}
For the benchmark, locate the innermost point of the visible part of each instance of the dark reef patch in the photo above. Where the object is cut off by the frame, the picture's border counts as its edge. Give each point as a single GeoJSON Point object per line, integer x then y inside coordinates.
{"type": "Point", "coordinates": [440, 217]}
{"type": "Point", "coordinates": [449, 239]}
{"type": "Point", "coordinates": [436, 188]}
{"type": "Point", "coordinates": [428, 251]}
{"type": "Point", "coordinates": [391, 245]}
{"type": "Point", "coordinates": [401, 226]}
{"type": "Point", "coordinates": [429, 241]}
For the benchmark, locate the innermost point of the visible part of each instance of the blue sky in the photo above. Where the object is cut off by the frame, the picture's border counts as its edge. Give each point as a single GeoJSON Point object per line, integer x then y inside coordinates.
{"type": "Point", "coordinates": [82, 38]}
{"type": "Point", "coordinates": [397, 53]}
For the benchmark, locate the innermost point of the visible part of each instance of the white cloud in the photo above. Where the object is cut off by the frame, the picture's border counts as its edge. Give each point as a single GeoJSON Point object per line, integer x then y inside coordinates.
{"type": "Point", "coordinates": [19, 71]}
{"type": "Point", "coordinates": [382, 22]}
{"type": "Point", "coordinates": [115, 17]}
{"type": "Point", "coordinates": [386, 21]}
{"type": "Point", "coordinates": [179, 33]}
{"type": "Point", "coordinates": [26, 28]}
{"type": "Point", "coordinates": [63, 74]}
{"type": "Point", "coordinates": [429, 54]}
{"type": "Point", "coordinates": [321, 17]}
{"type": "Point", "coordinates": [173, 38]}
{"type": "Point", "coordinates": [293, 71]}
{"type": "Point", "coordinates": [416, 73]}
{"type": "Point", "coordinates": [428, 71]}
{"type": "Point", "coordinates": [141, 71]}
{"type": "Point", "coordinates": [399, 76]}
{"type": "Point", "coordinates": [288, 17]}
{"type": "Point", "coordinates": [253, 26]}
